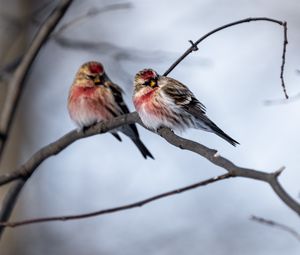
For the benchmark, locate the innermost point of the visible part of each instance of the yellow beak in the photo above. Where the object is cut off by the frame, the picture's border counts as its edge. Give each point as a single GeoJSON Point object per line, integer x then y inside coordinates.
{"type": "Point", "coordinates": [152, 83]}
{"type": "Point", "coordinates": [97, 80]}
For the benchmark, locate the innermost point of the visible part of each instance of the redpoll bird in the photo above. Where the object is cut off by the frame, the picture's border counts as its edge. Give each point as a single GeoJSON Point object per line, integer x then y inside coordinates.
{"type": "Point", "coordinates": [165, 102]}
{"type": "Point", "coordinates": [93, 98]}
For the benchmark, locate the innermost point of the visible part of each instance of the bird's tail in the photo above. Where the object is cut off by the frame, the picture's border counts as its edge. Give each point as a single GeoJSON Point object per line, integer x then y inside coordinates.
{"type": "Point", "coordinates": [212, 127]}
{"type": "Point", "coordinates": [143, 149]}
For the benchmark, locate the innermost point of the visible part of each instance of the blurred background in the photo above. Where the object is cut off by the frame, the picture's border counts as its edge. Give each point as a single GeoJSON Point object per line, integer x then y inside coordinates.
{"type": "Point", "coordinates": [234, 72]}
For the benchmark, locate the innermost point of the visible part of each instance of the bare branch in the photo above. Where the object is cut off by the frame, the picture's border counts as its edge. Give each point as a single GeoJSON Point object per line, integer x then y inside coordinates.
{"type": "Point", "coordinates": [15, 87]}
{"type": "Point", "coordinates": [9, 201]}
{"type": "Point", "coordinates": [28, 168]}
{"type": "Point", "coordinates": [119, 208]}
{"type": "Point", "coordinates": [285, 42]}
{"type": "Point", "coordinates": [194, 46]}
{"type": "Point", "coordinates": [91, 13]}
{"type": "Point", "coordinates": [270, 178]}
{"type": "Point", "coordinates": [16, 83]}
{"type": "Point", "coordinates": [275, 224]}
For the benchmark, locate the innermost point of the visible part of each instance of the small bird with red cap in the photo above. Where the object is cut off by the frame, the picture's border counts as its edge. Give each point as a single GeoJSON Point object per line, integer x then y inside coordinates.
{"type": "Point", "coordinates": [165, 102]}
{"type": "Point", "coordinates": [93, 97]}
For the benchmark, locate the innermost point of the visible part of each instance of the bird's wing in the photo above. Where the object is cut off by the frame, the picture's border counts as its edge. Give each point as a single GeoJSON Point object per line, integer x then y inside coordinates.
{"type": "Point", "coordinates": [117, 93]}
{"type": "Point", "coordinates": [182, 96]}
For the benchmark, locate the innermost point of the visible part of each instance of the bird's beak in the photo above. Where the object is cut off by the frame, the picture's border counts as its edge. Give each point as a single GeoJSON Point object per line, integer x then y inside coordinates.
{"type": "Point", "coordinates": [98, 80]}
{"type": "Point", "coordinates": [153, 83]}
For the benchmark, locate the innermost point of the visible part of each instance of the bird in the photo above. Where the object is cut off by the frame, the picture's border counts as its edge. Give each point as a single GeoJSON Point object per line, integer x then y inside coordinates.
{"type": "Point", "coordinates": [93, 97]}
{"type": "Point", "coordinates": [162, 101]}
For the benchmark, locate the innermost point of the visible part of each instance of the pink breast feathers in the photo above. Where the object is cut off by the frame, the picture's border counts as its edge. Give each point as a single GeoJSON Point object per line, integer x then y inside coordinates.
{"type": "Point", "coordinates": [144, 99]}
{"type": "Point", "coordinates": [82, 91]}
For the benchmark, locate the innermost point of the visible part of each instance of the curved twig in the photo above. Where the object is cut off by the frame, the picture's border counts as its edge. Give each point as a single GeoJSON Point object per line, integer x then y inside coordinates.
{"type": "Point", "coordinates": [194, 45]}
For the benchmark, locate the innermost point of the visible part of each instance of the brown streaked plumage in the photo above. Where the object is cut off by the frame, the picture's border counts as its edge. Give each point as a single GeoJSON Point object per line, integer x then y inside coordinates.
{"type": "Point", "coordinates": [94, 98]}
{"type": "Point", "coordinates": [165, 102]}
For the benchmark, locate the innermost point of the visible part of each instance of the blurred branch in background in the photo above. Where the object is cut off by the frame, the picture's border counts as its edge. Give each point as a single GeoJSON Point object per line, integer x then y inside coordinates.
{"type": "Point", "coordinates": [275, 224]}
{"type": "Point", "coordinates": [115, 52]}
{"type": "Point", "coordinates": [94, 11]}
{"type": "Point", "coordinates": [291, 99]}
{"type": "Point", "coordinates": [14, 92]}
{"type": "Point", "coordinates": [17, 23]}
{"type": "Point", "coordinates": [26, 170]}
{"type": "Point", "coordinates": [15, 85]}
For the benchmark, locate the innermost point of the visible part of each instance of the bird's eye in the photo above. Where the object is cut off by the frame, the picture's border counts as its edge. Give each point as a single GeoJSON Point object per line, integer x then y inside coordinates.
{"type": "Point", "coordinates": [90, 77]}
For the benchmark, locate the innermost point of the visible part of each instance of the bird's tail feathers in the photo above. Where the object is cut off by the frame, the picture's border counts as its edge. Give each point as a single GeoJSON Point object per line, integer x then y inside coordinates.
{"type": "Point", "coordinates": [117, 136]}
{"type": "Point", "coordinates": [212, 127]}
{"type": "Point", "coordinates": [142, 148]}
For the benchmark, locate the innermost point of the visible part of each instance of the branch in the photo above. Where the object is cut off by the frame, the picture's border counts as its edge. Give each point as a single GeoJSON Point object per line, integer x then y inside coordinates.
{"type": "Point", "coordinates": [194, 45]}
{"type": "Point", "coordinates": [276, 225]}
{"type": "Point", "coordinates": [15, 85]}
{"type": "Point", "coordinates": [119, 208]}
{"type": "Point", "coordinates": [182, 143]}
{"type": "Point", "coordinates": [91, 13]}
{"type": "Point", "coordinates": [9, 202]}
{"type": "Point", "coordinates": [27, 169]}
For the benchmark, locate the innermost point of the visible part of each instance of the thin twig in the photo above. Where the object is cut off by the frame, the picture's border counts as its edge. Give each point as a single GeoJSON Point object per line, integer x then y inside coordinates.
{"type": "Point", "coordinates": [194, 45]}
{"type": "Point", "coordinates": [276, 225]}
{"type": "Point", "coordinates": [285, 42]}
{"type": "Point", "coordinates": [119, 208]}
{"type": "Point", "coordinates": [91, 13]}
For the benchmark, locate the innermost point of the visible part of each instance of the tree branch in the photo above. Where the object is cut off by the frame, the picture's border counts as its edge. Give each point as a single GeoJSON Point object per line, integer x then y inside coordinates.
{"type": "Point", "coordinates": [194, 45]}
{"type": "Point", "coordinates": [9, 201]}
{"type": "Point", "coordinates": [26, 170]}
{"type": "Point", "coordinates": [276, 225]}
{"type": "Point", "coordinates": [119, 208]}
{"type": "Point", "coordinates": [94, 11]}
{"type": "Point", "coordinates": [212, 155]}
{"type": "Point", "coordinates": [15, 85]}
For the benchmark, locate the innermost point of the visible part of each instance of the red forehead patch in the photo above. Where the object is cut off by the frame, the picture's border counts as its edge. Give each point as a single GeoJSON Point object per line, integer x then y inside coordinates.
{"type": "Point", "coordinates": [96, 67]}
{"type": "Point", "coordinates": [148, 74]}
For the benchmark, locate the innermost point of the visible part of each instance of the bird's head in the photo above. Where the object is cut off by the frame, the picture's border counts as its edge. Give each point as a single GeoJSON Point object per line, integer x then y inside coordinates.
{"type": "Point", "coordinates": [91, 74]}
{"type": "Point", "coordinates": [146, 78]}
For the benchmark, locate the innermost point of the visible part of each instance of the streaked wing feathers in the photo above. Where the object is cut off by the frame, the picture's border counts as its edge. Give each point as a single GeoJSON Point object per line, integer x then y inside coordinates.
{"type": "Point", "coordinates": [182, 96]}
{"type": "Point", "coordinates": [117, 93]}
